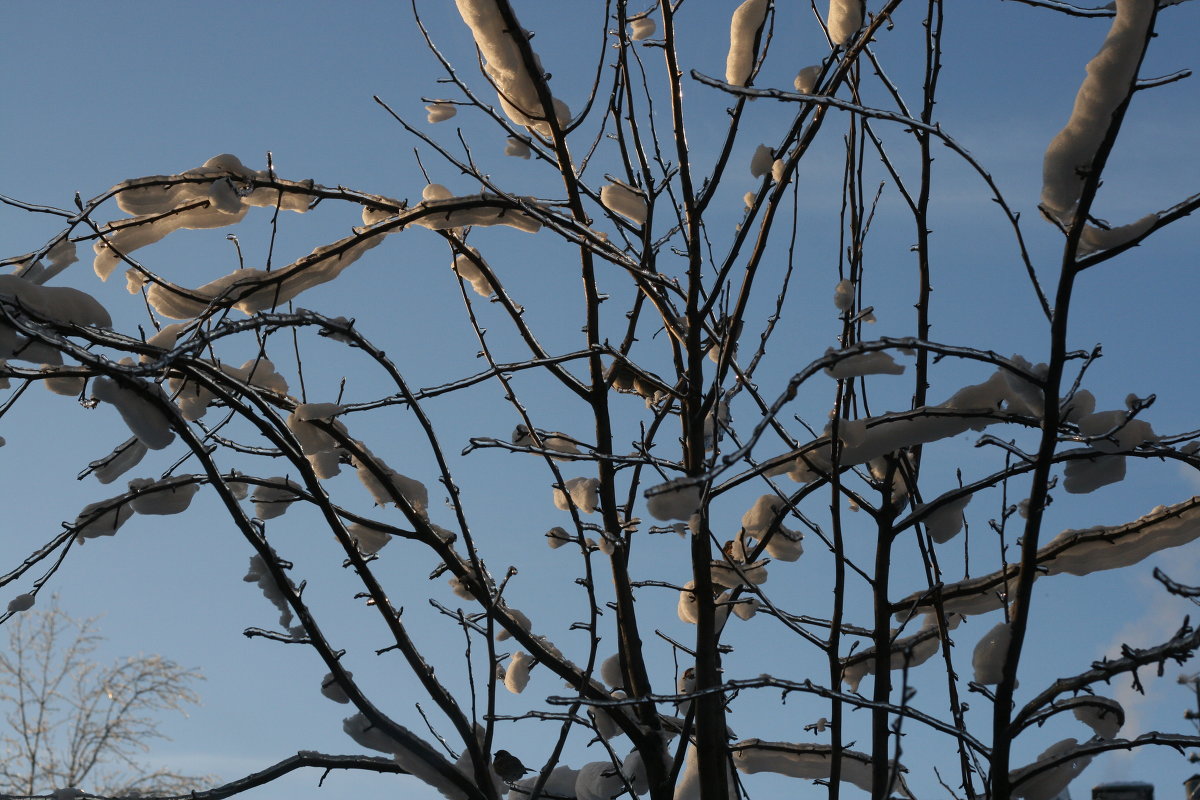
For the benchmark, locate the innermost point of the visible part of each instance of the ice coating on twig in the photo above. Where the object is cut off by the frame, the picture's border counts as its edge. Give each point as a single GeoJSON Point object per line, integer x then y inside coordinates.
{"type": "Point", "coordinates": [743, 27]}
{"type": "Point", "coordinates": [1110, 78]}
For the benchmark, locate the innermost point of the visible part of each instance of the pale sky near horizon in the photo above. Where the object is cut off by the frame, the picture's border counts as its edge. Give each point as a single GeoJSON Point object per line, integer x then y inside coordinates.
{"type": "Point", "coordinates": [93, 94]}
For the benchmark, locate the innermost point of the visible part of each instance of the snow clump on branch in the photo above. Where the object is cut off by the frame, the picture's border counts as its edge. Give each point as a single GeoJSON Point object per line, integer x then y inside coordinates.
{"type": "Point", "coordinates": [1072, 153]}
{"type": "Point", "coordinates": [845, 17]}
{"type": "Point", "coordinates": [517, 89]}
{"type": "Point", "coordinates": [743, 27]}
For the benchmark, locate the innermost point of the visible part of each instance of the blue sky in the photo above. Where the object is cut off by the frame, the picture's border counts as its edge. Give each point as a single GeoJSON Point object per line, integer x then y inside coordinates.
{"type": "Point", "coordinates": [96, 93]}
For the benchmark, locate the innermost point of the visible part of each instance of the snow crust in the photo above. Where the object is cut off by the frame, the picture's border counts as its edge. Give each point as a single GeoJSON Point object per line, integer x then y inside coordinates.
{"type": "Point", "coordinates": [561, 783]}
{"type": "Point", "coordinates": [273, 501]}
{"type": "Point", "coordinates": [598, 780]}
{"type": "Point", "coordinates": [516, 148]}
{"type": "Point", "coordinates": [260, 575]}
{"type": "Point", "coordinates": [22, 602]}
{"type": "Point", "coordinates": [907, 652]}
{"type": "Point", "coordinates": [333, 690]}
{"type": "Point", "coordinates": [1103, 715]}
{"type": "Point", "coordinates": [368, 540]}
{"type": "Point", "coordinates": [760, 521]}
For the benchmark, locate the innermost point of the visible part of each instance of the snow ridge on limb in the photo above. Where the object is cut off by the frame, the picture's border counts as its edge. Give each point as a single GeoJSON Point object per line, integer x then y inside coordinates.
{"type": "Point", "coordinates": [845, 18]}
{"type": "Point", "coordinates": [211, 196]}
{"type": "Point", "coordinates": [747, 20]}
{"type": "Point", "coordinates": [1078, 552]}
{"type": "Point", "coordinates": [804, 760]}
{"type": "Point", "coordinates": [503, 63]}
{"type": "Point", "coordinates": [1070, 158]}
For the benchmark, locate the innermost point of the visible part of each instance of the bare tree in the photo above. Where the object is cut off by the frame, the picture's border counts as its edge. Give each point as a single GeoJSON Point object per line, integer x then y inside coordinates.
{"type": "Point", "coordinates": [686, 418]}
{"type": "Point", "coordinates": [76, 723]}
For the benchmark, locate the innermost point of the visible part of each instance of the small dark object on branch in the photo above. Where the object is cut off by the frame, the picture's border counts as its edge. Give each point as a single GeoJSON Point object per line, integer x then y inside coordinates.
{"type": "Point", "coordinates": [508, 766]}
